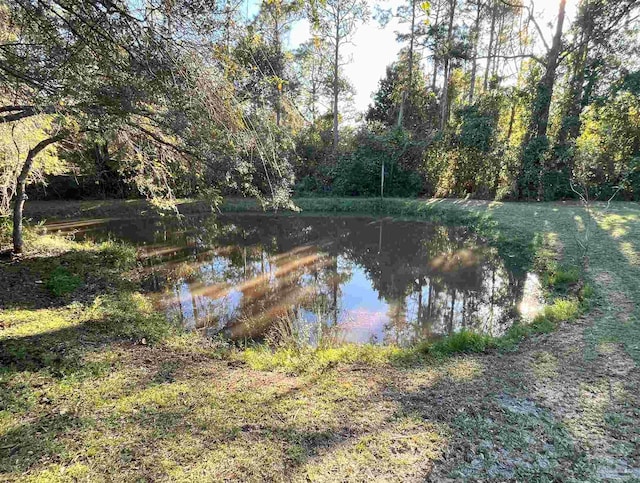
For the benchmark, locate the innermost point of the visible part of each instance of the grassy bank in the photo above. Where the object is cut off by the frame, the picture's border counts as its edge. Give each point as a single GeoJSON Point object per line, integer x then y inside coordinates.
{"type": "Point", "coordinates": [523, 248]}
{"type": "Point", "coordinates": [95, 386]}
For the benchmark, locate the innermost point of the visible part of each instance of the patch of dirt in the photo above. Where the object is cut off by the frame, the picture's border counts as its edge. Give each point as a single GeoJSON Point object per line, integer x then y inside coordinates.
{"type": "Point", "coordinates": [603, 278]}
{"type": "Point", "coordinates": [22, 287]}
{"type": "Point", "coordinates": [616, 298]}
{"type": "Point", "coordinates": [621, 301]}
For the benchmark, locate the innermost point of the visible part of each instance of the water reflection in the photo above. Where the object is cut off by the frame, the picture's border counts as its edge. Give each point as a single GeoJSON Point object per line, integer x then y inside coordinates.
{"type": "Point", "coordinates": [325, 279]}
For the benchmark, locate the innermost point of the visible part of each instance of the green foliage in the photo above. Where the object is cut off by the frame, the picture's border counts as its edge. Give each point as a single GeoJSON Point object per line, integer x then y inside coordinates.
{"type": "Point", "coordinates": [562, 310]}
{"type": "Point", "coordinates": [556, 184]}
{"type": "Point", "coordinates": [533, 158]}
{"type": "Point", "coordinates": [386, 99]}
{"type": "Point", "coordinates": [309, 185]}
{"type": "Point", "coordinates": [560, 277]}
{"type": "Point", "coordinates": [358, 173]}
{"type": "Point", "coordinates": [468, 159]}
{"type": "Point", "coordinates": [62, 282]}
{"type": "Point", "coordinates": [464, 341]}
{"type": "Point", "coordinates": [607, 152]}
{"type": "Point", "coordinates": [630, 83]}
{"type": "Point", "coordinates": [419, 112]}
{"type": "Point", "coordinates": [119, 256]}
{"type": "Point", "coordinates": [478, 127]}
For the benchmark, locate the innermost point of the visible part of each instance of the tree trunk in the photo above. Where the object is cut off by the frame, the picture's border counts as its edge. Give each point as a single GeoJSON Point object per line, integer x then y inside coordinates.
{"type": "Point", "coordinates": [540, 118]}
{"type": "Point", "coordinates": [491, 36]}
{"type": "Point", "coordinates": [279, 73]}
{"type": "Point", "coordinates": [444, 114]}
{"type": "Point", "coordinates": [512, 117]}
{"type": "Point", "coordinates": [570, 127]}
{"type": "Point", "coordinates": [535, 142]}
{"type": "Point", "coordinates": [227, 28]}
{"type": "Point", "coordinates": [497, 46]}
{"type": "Point", "coordinates": [476, 37]}
{"type": "Point", "coordinates": [409, 86]}
{"type": "Point", "coordinates": [314, 96]}
{"type": "Point", "coordinates": [452, 312]}
{"type": "Point", "coordinates": [21, 185]}
{"type": "Point", "coordinates": [336, 60]}
{"type": "Point", "coordinates": [435, 57]}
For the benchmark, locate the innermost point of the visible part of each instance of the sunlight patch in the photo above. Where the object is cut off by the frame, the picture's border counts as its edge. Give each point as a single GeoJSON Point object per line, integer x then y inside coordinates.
{"type": "Point", "coordinates": [405, 449]}
{"type": "Point", "coordinates": [465, 370]}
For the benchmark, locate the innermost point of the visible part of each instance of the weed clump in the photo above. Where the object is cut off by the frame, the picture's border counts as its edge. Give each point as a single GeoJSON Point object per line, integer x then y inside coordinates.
{"type": "Point", "coordinates": [309, 360]}
{"type": "Point", "coordinates": [560, 278]}
{"type": "Point", "coordinates": [62, 282]}
{"type": "Point", "coordinates": [464, 341]}
{"type": "Point", "coordinates": [130, 316]}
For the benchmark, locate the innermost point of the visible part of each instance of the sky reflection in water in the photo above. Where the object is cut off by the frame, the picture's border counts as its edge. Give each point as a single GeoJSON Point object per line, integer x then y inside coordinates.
{"type": "Point", "coordinates": [322, 279]}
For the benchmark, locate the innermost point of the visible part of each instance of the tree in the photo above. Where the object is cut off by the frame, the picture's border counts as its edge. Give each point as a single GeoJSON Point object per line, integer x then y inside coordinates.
{"type": "Point", "coordinates": [274, 22]}
{"type": "Point", "coordinates": [385, 99]}
{"type": "Point", "coordinates": [455, 47]}
{"type": "Point", "coordinates": [416, 15]}
{"type": "Point", "coordinates": [418, 107]}
{"type": "Point", "coordinates": [444, 98]}
{"type": "Point", "coordinates": [593, 37]}
{"type": "Point", "coordinates": [475, 40]}
{"type": "Point", "coordinates": [536, 143]}
{"type": "Point", "coordinates": [434, 37]}
{"type": "Point", "coordinates": [337, 23]}
{"type": "Point", "coordinates": [312, 61]}
{"type": "Point", "coordinates": [103, 67]}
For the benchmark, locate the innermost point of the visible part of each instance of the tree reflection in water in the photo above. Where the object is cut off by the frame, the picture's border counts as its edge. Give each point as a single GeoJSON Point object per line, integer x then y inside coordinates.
{"type": "Point", "coordinates": [324, 279]}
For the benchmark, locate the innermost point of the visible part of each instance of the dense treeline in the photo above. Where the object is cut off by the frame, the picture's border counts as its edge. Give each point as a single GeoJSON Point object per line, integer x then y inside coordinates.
{"type": "Point", "coordinates": [166, 99]}
{"type": "Point", "coordinates": [486, 100]}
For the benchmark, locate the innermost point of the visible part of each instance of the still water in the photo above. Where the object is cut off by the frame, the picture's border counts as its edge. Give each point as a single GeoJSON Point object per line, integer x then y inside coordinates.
{"type": "Point", "coordinates": [320, 279]}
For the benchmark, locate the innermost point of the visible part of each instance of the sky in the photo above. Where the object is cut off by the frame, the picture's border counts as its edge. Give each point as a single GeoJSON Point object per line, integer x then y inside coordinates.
{"type": "Point", "coordinates": [373, 48]}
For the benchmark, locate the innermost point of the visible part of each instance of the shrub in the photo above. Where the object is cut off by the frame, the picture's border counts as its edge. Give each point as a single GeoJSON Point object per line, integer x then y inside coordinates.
{"type": "Point", "coordinates": [359, 174]}
{"type": "Point", "coordinates": [309, 185]}
{"type": "Point", "coordinates": [562, 310]}
{"type": "Point", "coordinates": [559, 277]}
{"type": "Point", "coordinates": [117, 255]}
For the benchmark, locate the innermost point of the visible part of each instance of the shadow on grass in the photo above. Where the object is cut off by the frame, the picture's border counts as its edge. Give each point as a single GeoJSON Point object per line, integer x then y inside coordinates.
{"type": "Point", "coordinates": [33, 284]}
{"type": "Point", "coordinates": [109, 319]}
{"type": "Point", "coordinates": [236, 423]}
{"type": "Point", "coordinates": [618, 278]}
{"type": "Point", "coordinates": [24, 445]}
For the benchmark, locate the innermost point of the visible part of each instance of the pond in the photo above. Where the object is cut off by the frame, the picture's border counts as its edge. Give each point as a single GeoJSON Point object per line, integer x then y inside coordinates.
{"type": "Point", "coordinates": [321, 279]}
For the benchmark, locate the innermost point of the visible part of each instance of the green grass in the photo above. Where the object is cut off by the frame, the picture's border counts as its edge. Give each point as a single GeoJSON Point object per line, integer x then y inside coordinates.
{"type": "Point", "coordinates": [310, 360]}
{"type": "Point", "coordinates": [62, 282]}
{"type": "Point", "coordinates": [463, 342]}
{"type": "Point", "coordinates": [95, 385]}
